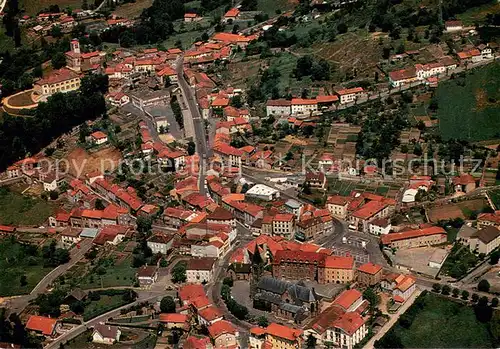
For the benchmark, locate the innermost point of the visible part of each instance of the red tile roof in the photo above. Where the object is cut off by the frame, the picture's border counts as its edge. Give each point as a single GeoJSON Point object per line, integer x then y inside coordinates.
{"type": "Point", "coordinates": [339, 262]}
{"type": "Point", "coordinates": [349, 322]}
{"type": "Point", "coordinates": [347, 298]}
{"type": "Point", "coordinates": [388, 238]}
{"type": "Point", "coordinates": [301, 101]}
{"type": "Point", "coordinates": [234, 12]}
{"type": "Point", "coordinates": [280, 331]}
{"type": "Point", "coordinates": [369, 209]}
{"type": "Point", "coordinates": [190, 292]}
{"type": "Point", "coordinates": [42, 324]}
{"type": "Point", "coordinates": [57, 76]}
{"type": "Point", "coordinates": [370, 268]}
{"type": "Point", "coordinates": [210, 313]}
{"type": "Point", "coordinates": [350, 91]}
{"type": "Point", "coordinates": [221, 327]}
{"type": "Point", "coordinates": [173, 318]}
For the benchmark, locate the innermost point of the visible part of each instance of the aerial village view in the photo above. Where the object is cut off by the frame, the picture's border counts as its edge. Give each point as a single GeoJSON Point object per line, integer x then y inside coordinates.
{"type": "Point", "coordinates": [263, 174]}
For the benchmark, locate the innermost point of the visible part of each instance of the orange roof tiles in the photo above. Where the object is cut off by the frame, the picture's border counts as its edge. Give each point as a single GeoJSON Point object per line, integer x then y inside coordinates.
{"type": "Point", "coordinates": [42, 324]}
{"type": "Point", "coordinates": [221, 327]}
{"type": "Point", "coordinates": [370, 268]}
{"type": "Point", "coordinates": [173, 318]}
{"type": "Point", "coordinates": [339, 262]}
{"type": "Point", "coordinates": [280, 331]}
{"type": "Point", "coordinates": [388, 238]}
{"type": "Point", "coordinates": [190, 292]}
{"type": "Point", "coordinates": [347, 298]}
{"type": "Point", "coordinates": [369, 209]}
{"type": "Point", "coordinates": [210, 313]}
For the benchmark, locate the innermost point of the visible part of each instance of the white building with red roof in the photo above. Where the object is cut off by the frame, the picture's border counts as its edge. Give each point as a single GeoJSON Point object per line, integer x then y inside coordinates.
{"type": "Point", "coordinates": [224, 334]}
{"type": "Point", "coordinates": [98, 137]}
{"type": "Point", "coordinates": [350, 95]}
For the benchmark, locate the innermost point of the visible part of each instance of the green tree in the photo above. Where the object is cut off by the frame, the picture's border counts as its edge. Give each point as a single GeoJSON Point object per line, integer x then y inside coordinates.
{"type": "Point", "coordinates": [446, 290]}
{"type": "Point", "coordinates": [474, 297]}
{"type": "Point", "coordinates": [23, 280]}
{"type": "Point", "coordinates": [495, 256]}
{"type": "Point", "coordinates": [236, 101]}
{"type": "Point", "coordinates": [58, 60]}
{"type": "Point", "coordinates": [436, 287]}
{"type": "Point", "coordinates": [191, 148]}
{"type": "Point", "coordinates": [311, 341]}
{"type": "Point", "coordinates": [483, 286]}
{"type": "Point", "coordinates": [144, 224]}
{"type": "Point", "coordinates": [179, 273]}
{"type": "Point", "coordinates": [99, 204]}
{"type": "Point", "coordinates": [262, 321]}
{"type": "Point", "coordinates": [372, 297]}
{"type": "Point", "coordinates": [465, 294]}
{"type": "Point", "coordinates": [167, 305]}
{"type": "Point", "coordinates": [455, 292]}
{"type": "Point", "coordinates": [494, 302]}
{"type": "Point", "coordinates": [56, 32]}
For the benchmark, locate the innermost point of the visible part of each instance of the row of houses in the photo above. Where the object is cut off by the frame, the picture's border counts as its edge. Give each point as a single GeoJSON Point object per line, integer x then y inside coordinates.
{"type": "Point", "coordinates": [301, 106]}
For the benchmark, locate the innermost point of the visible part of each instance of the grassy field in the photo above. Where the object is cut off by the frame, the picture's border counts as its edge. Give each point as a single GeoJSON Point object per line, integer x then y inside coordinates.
{"type": "Point", "coordinates": [15, 263]}
{"type": "Point", "coordinates": [116, 274]}
{"type": "Point", "coordinates": [17, 209]}
{"type": "Point", "coordinates": [443, 323]}
{"type": "Point", "coordinates": [270, 7]}
{"type": "Point", "coordinates": [495, 197]}
{"type": "Point", "coordinates": [32, 7]}
{"type": "Point", "coordinates": [471, 111]}
{"type": "Point", "coordinates": [478, 14]}
{"type": "Point", "coordinates": [345, 188]}
{"type": "Point", "coordinates": [132, 9]}
{"type": "Point", "coordinates": [103, 305]}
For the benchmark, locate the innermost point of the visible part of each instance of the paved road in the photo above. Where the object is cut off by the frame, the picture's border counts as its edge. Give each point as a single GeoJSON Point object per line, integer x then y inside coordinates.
{"type": "Point", "coordinates": [200, 138]}
{"type": "Point", "coordinates": [145, 296]}
{"type": "Point", "coordinates": [16, 305]}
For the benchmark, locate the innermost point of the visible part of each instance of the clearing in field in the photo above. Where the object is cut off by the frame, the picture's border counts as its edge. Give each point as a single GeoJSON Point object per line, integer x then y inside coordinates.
{"type": "Point", "coordinates": [18, 209]}
{"type": "Point", "coordinates": [82, 162]}
{"type": "Point", "coordinates": [32, 7]}
{"type": "Point", "coordinates": [440, 322]}
{"type": "Point", "coordinates": [471, 112]}
{"type": "Point", "coordinates": [449, 211]}
{"type": "Point", "coordinates": [132, 10]}
{"type": "Point", "coordinates": [17, 261]}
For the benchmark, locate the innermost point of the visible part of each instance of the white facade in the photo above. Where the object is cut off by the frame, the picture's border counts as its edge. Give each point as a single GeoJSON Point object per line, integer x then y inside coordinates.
{"type": "Point", "coordinates": [263, 192]}
{"type": "Point", "coordinates": [428, 70]}
{"type": "Point", "coordinates": [304, 108]}
{"type": "Point", "coordinates": [284, 228]}
{"type": "Point", "coordinates": [379, 230]}
{"type": "Point", "coordinates": [50, 186]}
{"type": "Point", "coordinates": [68, 240]}
{"type": "Point", "coordinates": [205, 250]}
{"type": "Point", "coordinates": [100, 339]}
{"type": "Point", "coordinates": [278, 110]}
{"type": "Point", "coordinates": [199, 276]}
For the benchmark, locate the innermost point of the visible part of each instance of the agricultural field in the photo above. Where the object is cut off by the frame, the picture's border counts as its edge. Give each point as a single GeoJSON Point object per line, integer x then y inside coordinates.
{"type": "Point", "coordinates": [112, 271]}
{"type": "Point", "coordinates": [270, 7]}
{"type": "Point", "coordinates": [428, 329]}
{"type": "Point", "coordinates": [103, 305]}
{"type": "Point", "coordinates": [132, 9]}
{"type": "Point", "coordinates": [345, 188]}
{"type": "Point", "coordinates": [478, 14]}
{"type": "Point", "coordinates": [468, 108]}
{"type": "Point", "coordinates": [18, 209]}
{"type": "Point", "coordinates": [32, 7]}
{"type": "Point", "coordinates": [16, 261]}
{"type": "Point", "coordinates": [82, 162]}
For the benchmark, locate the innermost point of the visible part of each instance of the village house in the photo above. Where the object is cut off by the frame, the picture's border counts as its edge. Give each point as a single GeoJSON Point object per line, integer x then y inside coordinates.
{"type": "Point", "coordinates": [403, 77]}
{"type": "Point", "coordinates": [360, 218]}
{"type": "Point", "coordinates": [118, 99]}
{"type": "Point", "coordinates": [303, 106]}
{"type": "Point", "coordinates": [41, 325]}
{"type": "Point", "coordinates": [160, 243]}
{"type": "Point", "coordinates": [275, 336]}
{"type": "Point", "coordinates": [369, 274]}
{"type": "Point", "coordinates": [78, 61]}
{"type": "Point", "coordinates": [350, 95]}
{"type": "Point", "coordinates": [379, 226]}
{"type": "Point", "coordinates": [231, 16]}
{"type": "Point", "coordinates": [488, 219]}
{"type": "Point", "coordinates": [309, 229]}
{"type": "Point", "coordinates": [400, 286]}
{"type": "Point", "coordinates": [464, 183]}
{"type": "Point", "coordinates": [425, 71]}
{"type": "Point", "coordinates": [228, 155]}
{"type": "Point", "coordinates": [337, 205]}
{"type": "Point", "coordinates": [297, 265]}
{"type": "Point", "coordinates": [316, 179]}
{"type": "Point", "coordinates": [223, 334]}
{"type": "Point", "coordinates": [173, 321]}
{"type": "Point", "coordinates": [70, 236]}
{"type": "Point", "coordinates": [279, 107]}
{"type": "Point", "coordinates": [200, 270]}
{"type": "Point", "coordinates": [485, 240]}
{"type": "Point", "coordinates": [105, 334]}
{"type": "Point", "coordinates": [98, 137]}
{"type": "Point", "coordinates": [341, 323]}
{"type": "Point", "coordinates": [192, 17]}
{"type": "Point", "coordinates": [453, 26]}
{"type": "Point", "coordinates": [209, 315]}
{"type": "Point", "coordinates": [147, 275]}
